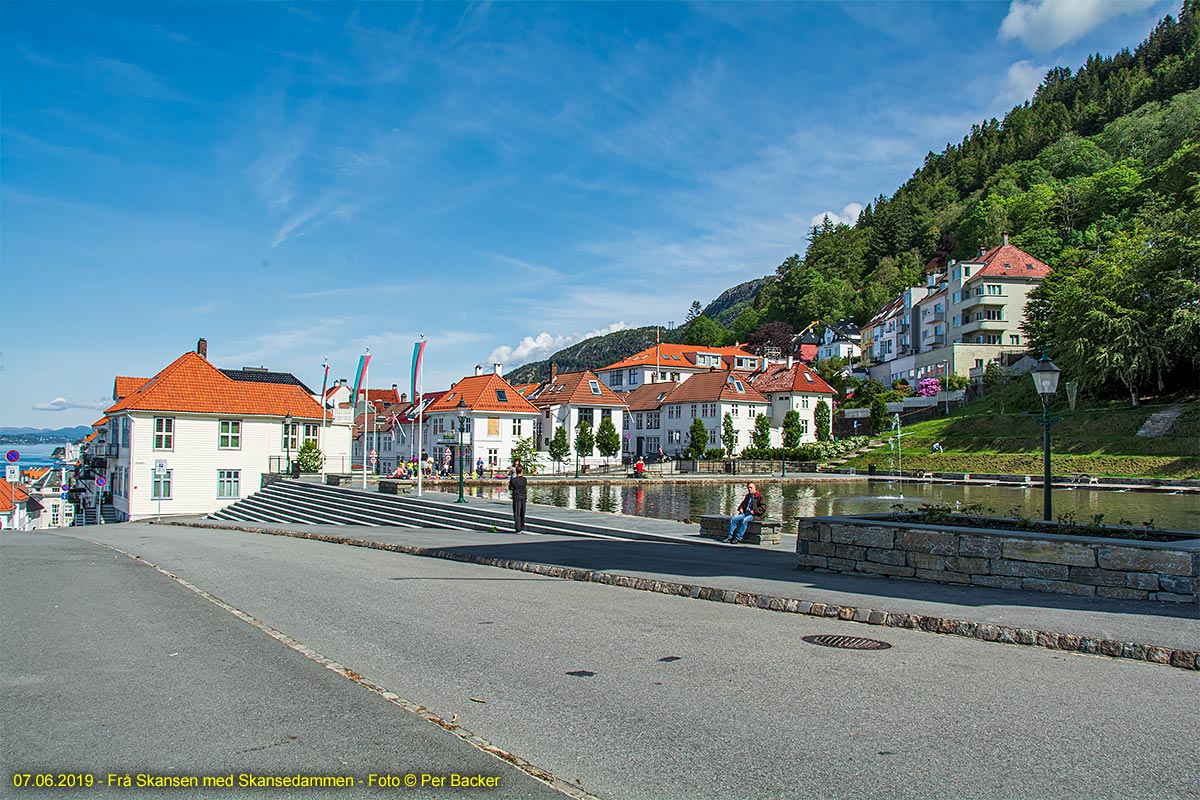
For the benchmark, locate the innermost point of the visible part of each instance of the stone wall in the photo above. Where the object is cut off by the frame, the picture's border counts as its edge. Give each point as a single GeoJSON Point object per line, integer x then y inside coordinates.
{"type": "Point", "coordinates": [1078, 565]}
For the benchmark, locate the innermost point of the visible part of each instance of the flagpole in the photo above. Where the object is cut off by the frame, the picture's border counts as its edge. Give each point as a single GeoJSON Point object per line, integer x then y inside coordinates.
{"type": "Point", "coordinates": [324, 420]}
{"type": "Point", "coordinates": [366, 409]}
{"type": "Point", "coordinates": [420, 383]}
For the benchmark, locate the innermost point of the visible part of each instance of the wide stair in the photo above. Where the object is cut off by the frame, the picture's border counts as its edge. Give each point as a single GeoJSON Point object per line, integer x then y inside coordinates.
{"type": "Point", "coordinates": [314, 504]}
{"type": "Point", "coordinates": [1160, 423]}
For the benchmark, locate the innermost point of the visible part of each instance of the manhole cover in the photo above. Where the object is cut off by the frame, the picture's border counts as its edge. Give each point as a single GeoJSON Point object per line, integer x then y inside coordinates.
{"type": "Point", "coordinates": [847, 642]}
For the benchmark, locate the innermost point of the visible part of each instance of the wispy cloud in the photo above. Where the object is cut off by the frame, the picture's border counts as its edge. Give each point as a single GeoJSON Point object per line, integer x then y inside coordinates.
{"type": "Point", "coordinates": [1046, 24]}
{"type": "Point", "coordinates": [122, 77]}
{"type": "Point", "coordinates": [63, 404]}
{"type": "Point", "coordinates": [1023, 79]}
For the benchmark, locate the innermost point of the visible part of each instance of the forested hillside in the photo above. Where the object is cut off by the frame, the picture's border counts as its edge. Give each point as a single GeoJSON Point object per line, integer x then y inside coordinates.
{"type": "Point", "coordinates": [1098, 176]}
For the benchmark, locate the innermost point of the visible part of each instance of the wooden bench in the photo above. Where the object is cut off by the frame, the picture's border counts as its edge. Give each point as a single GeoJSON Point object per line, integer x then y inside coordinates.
{"type": "Point", "coordinates": [767, 531]}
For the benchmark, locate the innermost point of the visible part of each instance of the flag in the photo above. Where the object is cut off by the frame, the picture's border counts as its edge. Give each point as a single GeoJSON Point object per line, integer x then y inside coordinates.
{"type": "Point", "coordinates": [393, 421]}
{"type": "Point", "coordinates": [418, 351]}
{"type": "Point", "coordinates": [325, 383]}
{"type": "Point", "coordinates": [360, 379]}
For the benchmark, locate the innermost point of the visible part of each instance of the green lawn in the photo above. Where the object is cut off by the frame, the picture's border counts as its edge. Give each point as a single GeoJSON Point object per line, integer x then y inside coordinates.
{"type": "Point", "coordinates": [1098, 440]}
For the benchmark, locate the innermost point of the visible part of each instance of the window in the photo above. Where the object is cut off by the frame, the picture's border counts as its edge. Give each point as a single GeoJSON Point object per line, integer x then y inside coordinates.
{"type": "Point", "coordinates": [733, 411]}
{"type": "Point", "coordinates": [516, 429]}
{"type": "Point", "coordinates": [290, 431]}
{"type": "Point", "coordinates": [638, 422]}
{"type": "Point", "coordinates": [740, 388]}
{"type": "Point", "coordinates": [493, 458]}
{"type": "Point", "coordinates": [595, 385]}
{"type": "Point", "coordinates": [653, 421]}
{"type": "Point", "coordinates": [995, 289]}
{"type": "Point", "coordinates": [803, 426]}
{"type": "Point", "coordinates": [957, 320]}
{"type": "Point", "coordinates": [1014, 339]}
{"type": "Point", "coordinates": [693, 410]}
{"type": "Point", "coordinates": [229, 483]}
{"type": "Point", "coordinates": [164, 433]}
{"type": "Point", "coordinates": [616, 378]}
{"type": "Point", "coordinates": [605, 413]}
{"type": "Point", "coordinates": [311, 432]}
{"type": "Point", "coordinates": [502, 395]}
{"type": "Point", "coordinates": [979, 363]}
{"type": "Point", "coordinates": [493, 428]}
{"type": "Point", "coordinates": [230, 437]}
{"type": "Point", "coordinates": [632, 377]}
{"type": "Point", "coordinates": [160, 489]}
{"type": "Point", "coordinates": [804, 402]}
{"type": "Point", "coordinates": [712, 437]}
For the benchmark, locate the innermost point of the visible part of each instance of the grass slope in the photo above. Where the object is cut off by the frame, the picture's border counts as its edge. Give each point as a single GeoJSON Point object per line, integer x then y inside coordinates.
{"type": "Point", "coordinates": [1098, 440]}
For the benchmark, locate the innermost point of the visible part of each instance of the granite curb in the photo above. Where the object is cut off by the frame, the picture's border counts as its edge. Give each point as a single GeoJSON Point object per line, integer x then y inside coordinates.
{"type": "Point", "coordinates": [1004, 634]}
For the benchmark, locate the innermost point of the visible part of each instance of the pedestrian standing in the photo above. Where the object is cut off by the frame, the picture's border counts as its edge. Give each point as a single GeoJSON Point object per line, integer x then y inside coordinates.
{"type": "Point", "coordinates": [751, 507]}
{"type": "Point", "coordinates": [516, 489]}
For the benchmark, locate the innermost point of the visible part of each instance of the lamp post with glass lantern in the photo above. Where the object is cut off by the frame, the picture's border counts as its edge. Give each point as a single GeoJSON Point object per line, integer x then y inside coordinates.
{"type": "Point", "coordinates": [578, 430]}
{"type": "Point", "coordinates": [1045, 379]}
{"type": "Point", "coordinates": [461, 408]}
{"type": "Point", "coordinates": [287, 440]}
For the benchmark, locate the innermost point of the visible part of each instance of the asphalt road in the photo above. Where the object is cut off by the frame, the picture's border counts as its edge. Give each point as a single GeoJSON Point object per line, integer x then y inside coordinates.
{"type": "Point", "coordinates": [627, 694]}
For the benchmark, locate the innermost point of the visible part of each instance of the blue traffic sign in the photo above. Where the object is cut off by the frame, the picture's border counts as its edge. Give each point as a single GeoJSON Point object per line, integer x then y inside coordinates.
{"type": "Point", "coordinates": [13, 456]}
{"type": "Point", "coordinates": [100, 481]}
{"type": "Point", "coordinates": [63, 496]}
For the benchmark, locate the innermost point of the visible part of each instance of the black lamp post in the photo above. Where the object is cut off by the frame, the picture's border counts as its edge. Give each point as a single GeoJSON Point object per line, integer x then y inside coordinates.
{"type": "Point", "coordinates": [578, 430]}
{"type": "Point", "coordinates": [461, 408]}
{"type": "Point", "coordinates": [287, 440]}
{"type": "Point", "coordinates": [1045, 379]}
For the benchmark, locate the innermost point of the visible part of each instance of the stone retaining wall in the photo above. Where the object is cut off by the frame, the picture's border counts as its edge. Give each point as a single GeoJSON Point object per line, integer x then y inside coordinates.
{"type": "Point", "coordinates": [1079, 565]}
{"type": "Point", "coordinates": [767, 531]}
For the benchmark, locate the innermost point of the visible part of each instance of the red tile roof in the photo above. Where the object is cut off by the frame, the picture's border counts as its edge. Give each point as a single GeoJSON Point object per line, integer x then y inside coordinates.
{"type": "Point", "coordinates": [124, 386]}
{"type": "Point", "coordinates": [575, 388]}
{"type": "Point", "coordinates": [190, 384]}
{"type": "Point", "coordinates": [649, 396]}
{"type": "Point", "coordinates": [480, 394]}
{"type": "Point", "coordinates": [1009, 261]}
{"type": "Point", "coordinates": [798, 378]}
{"type": "Point", "coordinates": [10, 492]}
{"type": "Point", "coordinates": [712, 386]}
{"type": "Point", "coordinates": [678, 356]}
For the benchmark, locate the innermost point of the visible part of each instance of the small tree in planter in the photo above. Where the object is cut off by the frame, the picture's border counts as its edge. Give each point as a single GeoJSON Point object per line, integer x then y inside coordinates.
{"type": "Point", "coordinates": [585, 440]}
{"type": "Point", "coordinates": [879, 415]}
{"type": "Point", "coordinates": [525, 453]}
{"type": "Point", "coordinates": [697, 440]}
{"type": "Point", "coordinates": [822, 416]}
{"type": "Point", "coordinates": [761, 437]}
{"type": "Point", "coordinates": [728, 434]}
{"type": "Point", "coordinates": [791, 429]}
{"type": "Point", "coordinates": [608, 441]}
{"type": "Point", "coordinates": [310, 457]}
{"type": "Point", "coordinates": [560, 446]}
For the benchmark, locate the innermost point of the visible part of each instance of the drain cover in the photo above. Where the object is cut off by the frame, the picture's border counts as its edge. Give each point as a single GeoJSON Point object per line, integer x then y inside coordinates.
{"type": "Point", "coordinates": [847, 642]}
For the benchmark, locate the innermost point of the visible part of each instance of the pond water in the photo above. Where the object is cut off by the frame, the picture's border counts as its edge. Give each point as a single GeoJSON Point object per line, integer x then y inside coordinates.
{"type": "Point", "coordinates": [797, 499]}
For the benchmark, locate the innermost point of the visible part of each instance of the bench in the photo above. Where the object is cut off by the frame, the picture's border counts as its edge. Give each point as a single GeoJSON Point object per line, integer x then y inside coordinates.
{"type": "Point", "coordinates": [767, 531]}
{"type": "Point", "coordinates": [926, 475]}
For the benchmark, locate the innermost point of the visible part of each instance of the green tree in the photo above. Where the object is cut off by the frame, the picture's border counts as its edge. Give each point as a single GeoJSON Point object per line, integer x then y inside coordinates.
{"type": "Point", "coordinates": [310, 457]}
{"type": "Point", "coordinates": [791, 429]}
{"type": "Point", "coordinates": [833, 371]}
{"type": "Point", "coordinates": [525, 454]}
{"type": "Point", "coordinates": [761, 437]}
{"type": "Point", "coordinates": [697, 439]}
{"type": "Point", "coordinates": [706, 333]}
{"type": "Point", "coordinates": [823, 417]}
{"type": "Point", "coordinates": [879, 414]}
{"type": "Point", "coordinates": [693, 312]}
{"type": "Point", "coordinates": [585, 440]}
{"type": "Point", "coordinates": [559, 447]}
{"type": "Point", "coordinates": [608, 441]}
{"type": "Point", "coordinates": [728, 434]}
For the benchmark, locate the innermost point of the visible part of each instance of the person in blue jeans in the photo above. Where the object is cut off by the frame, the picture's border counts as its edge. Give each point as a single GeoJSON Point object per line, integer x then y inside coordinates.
{"type": "Point", "coordinates": [749, 505]}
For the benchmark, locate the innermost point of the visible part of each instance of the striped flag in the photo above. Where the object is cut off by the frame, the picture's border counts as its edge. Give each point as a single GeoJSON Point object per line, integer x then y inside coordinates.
{"type": "Point", "coordinates": [360, 378]}
{"type": "Point", "coordinates": [418, 351]}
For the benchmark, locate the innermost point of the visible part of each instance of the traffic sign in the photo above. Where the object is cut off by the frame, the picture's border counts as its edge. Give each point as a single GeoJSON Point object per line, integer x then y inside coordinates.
{"type": "Point", "coordinates": [63, 496]}
{"type": "Point", "coordinates": [373, 453]}
{"type": "Point", "coordinates": [373, 458]}
{"type": "Point", "coordinates": [160, 466]}
{"type": "Point", "coordinates": [13, 456]}
{"type": "Point", "coordinates": [12, 473]}
{"type": "Point", "coordinates": [100, 481]}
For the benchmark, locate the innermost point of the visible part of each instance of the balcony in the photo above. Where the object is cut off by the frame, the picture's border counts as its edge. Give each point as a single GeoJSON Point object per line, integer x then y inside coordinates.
{"type": "Point", "coordinates": [984, 326]}
{"type": "Point", "coordinates": [983, 300]}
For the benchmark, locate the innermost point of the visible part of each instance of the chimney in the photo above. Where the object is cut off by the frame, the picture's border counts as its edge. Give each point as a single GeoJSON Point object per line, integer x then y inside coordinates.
{"type": "Point", "coordinates": [202, 348]}
{"type": "Point", "coordinates": [478, 370]}
{"type": "Point", "coordinates": [404, 397]}
{"type": "Point", "coordinates": [497, 368]}
{"type": "Point", "coordinates": [1004, 240]}
{"type": "Point", "coordinates": [979, 256]}
{"type": "Point", "coordinates": [553, 371]}
{"type": "Point", "coordinates": [789, 362]}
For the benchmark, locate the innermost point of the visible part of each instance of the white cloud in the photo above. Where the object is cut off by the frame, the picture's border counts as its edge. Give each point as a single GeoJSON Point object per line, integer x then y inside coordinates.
{"type": "Point", "coordinates": [1024, 77]}
{"type": "Point", "coordinates": [848, 216]}
{"type": "Point", "coordinates": [536, 348]}
{"type": "Point", "coordinates": [63, 404]}
{"type": "Point", "coordinates": [1046, 24]}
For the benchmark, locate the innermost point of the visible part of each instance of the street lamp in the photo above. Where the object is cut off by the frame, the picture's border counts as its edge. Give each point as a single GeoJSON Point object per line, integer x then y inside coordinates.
{"type": "Point", "coordinates": [946, 386]}
{"type": "Point", "coordinates": [578, 430]}
{"type": "Point", "coordinates": [461, 408]}
{"type": "Point", "coordinates": [1045, 380]}
{"type": "Point", "coordinates": [287, 440]}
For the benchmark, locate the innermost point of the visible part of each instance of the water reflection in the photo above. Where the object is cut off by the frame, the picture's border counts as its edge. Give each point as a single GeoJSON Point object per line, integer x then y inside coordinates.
{"type": "Point", "coordinates": [797, 499]}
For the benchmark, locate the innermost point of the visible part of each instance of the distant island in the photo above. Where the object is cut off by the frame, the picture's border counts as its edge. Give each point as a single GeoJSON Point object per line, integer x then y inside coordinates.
{"type": "Point", "coordinates": [42, 435]}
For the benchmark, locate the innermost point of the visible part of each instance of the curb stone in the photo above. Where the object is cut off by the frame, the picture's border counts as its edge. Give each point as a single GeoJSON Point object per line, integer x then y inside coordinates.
{"type": "Point", "coordinates": [1049, 640]}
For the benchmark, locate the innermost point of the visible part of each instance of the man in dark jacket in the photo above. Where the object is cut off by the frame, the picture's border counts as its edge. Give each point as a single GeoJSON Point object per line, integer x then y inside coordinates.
{"type": "Point", "coordinates": [516, 489]}
{"type": "Point", "coordinates": [746, 512]}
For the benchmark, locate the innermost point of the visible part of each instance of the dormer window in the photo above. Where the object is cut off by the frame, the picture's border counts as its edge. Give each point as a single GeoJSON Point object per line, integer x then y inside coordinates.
{"type": "Point", "coordinates": [502, 395]}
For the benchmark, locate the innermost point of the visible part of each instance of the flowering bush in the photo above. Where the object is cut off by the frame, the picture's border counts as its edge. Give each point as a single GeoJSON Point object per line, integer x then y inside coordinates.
{"type": "Point", "coordinates": [929, 387]}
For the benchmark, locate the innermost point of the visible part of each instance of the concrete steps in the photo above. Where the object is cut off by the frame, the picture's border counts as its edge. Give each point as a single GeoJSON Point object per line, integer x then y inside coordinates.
{"type": "Point", "coordinates": [1160, 423]}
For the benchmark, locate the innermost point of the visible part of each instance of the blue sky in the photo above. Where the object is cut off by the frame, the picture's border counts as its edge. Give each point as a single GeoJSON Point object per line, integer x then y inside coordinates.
{"type": "Point", "coordinates": [295, 182]}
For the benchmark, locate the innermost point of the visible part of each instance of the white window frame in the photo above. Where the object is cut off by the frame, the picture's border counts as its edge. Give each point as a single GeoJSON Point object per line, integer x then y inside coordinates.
{"type": "Point", "coordinates": [164, 433]}
{"type": "Point", "coordinates": [229, 438]}
{"type": "Point", "coordinates": [229, 484]}
{"type": "Point", "coordinates": [158, 483]}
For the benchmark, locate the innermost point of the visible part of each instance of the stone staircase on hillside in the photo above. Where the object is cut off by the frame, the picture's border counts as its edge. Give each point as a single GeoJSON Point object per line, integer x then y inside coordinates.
{"type": "Point", "coordinates": [836, 464]}
{"type": "Point", "coordinates": [1161, 422]}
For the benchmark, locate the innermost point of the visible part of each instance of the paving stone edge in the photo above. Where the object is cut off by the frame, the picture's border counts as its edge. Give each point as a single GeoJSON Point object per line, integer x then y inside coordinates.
{"type": "Point", "coordinates": [1004, 634]}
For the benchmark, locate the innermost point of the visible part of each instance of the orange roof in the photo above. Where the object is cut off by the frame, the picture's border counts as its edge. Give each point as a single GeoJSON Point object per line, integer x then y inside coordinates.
{"type": "Point", "coordinates": [797, 378]}
{"type": "Point", "coordinates": [124, 386]}
{"type": "Point", "coordinates": [36, 473]}
{"type": "Point", "coordinates": [677, 356]}
{"type": "Point", "coordinates": [10, 492]}
{"type": "Point", "coordinates": [100, 423]}
{"type": "Point", "coordinates": [1009, 261]}
{"type": "Point", "coordinates": [575, 388]}
{"type": "Point", "coordinates": [91, 436]}
{"type": "Point", "coordinates": [482, 393]}
{"type": "Point", "coordinates": [712, 386]}
{"type": "Point", "coordinates": [191, 384]}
